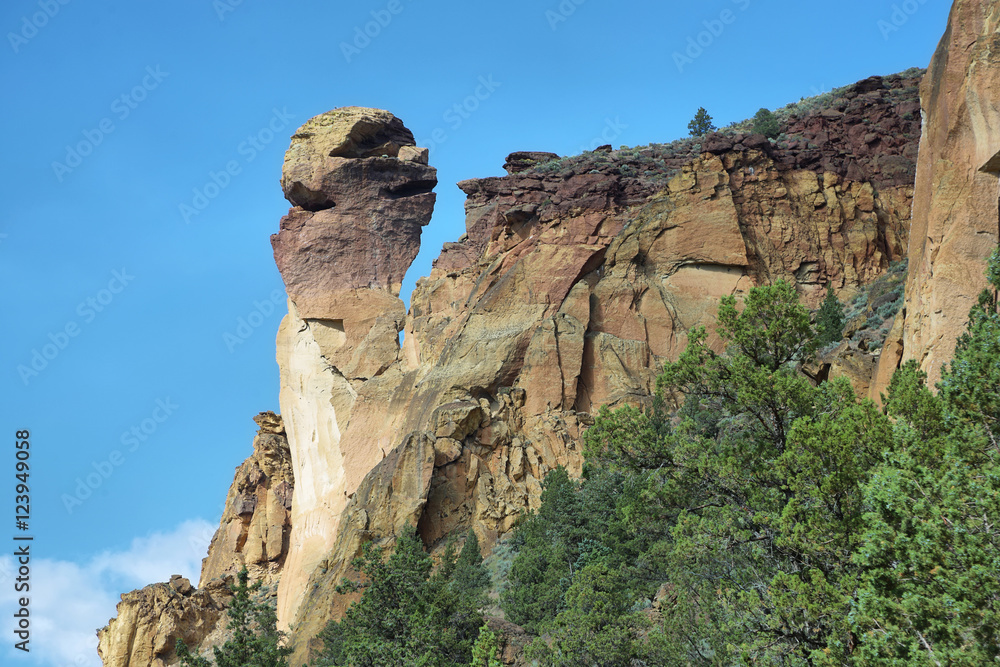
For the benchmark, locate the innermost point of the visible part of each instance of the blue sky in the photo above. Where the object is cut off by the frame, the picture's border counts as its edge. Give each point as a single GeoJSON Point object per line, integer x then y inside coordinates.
{"type": "Point", "coordinates": [122, 118]}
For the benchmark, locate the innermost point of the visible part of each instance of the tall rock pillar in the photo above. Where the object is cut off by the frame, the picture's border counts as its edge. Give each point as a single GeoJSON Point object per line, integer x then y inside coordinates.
{"type": "Point", "coordinates": [360, 192]}
{"type": "Point", "coordinates": [955, 216]}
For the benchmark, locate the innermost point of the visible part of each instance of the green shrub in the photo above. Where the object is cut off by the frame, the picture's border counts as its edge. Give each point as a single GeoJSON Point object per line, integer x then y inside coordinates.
{"type": "Point", "coordinates": [765, 122]}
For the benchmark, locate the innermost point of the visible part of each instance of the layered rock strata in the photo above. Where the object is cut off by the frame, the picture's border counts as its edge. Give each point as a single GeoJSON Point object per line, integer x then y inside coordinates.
{"type": "Point", "coordinates": [955, 216]}
{"type": "Point", "coordinates": [575, 280]}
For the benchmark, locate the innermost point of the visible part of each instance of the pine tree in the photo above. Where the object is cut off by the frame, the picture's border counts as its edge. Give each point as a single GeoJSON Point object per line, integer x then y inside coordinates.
{"type": "Point", "coordinates": [830, 318]}
{"type": "Point", "coordinates": [701, 124]}
{"type": "Point", "coordinates": [406, 616]}
{"type": "Point", "coordinates": [255, 640]}
{"type": "Point", "coordinates": [765, 122]}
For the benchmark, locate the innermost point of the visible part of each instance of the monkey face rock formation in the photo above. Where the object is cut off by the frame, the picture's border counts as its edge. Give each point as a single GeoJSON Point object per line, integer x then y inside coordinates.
{"type": "Point", "coordinates": [576, 279]}
{"type": "Point", "coordinates": [955, 216]}
{"type": "Point", "coordinates": [361, 191]}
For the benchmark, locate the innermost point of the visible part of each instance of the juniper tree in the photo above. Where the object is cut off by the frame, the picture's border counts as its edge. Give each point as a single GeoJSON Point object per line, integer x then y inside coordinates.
{"type": "Point", "coordinates": [701, 124]}
{"type": "Point", "coordinates": [931, 552]}
{"type": "Point", "coordinates": [255, 640]}
{"type": "Point", "coordinates": [765, 122]}
{"type": "Point", "coordinates": [830, 318]}
{"type": "Point", "coordinates": [406, 615]}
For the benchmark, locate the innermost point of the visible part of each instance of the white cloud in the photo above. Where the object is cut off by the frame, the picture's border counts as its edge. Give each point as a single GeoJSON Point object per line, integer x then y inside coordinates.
{"type": "Point", "coordinates": [69, 601]}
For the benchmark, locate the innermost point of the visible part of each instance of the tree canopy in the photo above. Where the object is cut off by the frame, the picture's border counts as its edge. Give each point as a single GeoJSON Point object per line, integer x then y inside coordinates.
{"type": "Point", "coordinates": [254, 639]}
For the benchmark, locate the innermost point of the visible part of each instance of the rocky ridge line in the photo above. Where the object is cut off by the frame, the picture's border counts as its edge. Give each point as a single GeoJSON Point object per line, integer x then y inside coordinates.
{"type": "Point", "coordinates": [253, 532]}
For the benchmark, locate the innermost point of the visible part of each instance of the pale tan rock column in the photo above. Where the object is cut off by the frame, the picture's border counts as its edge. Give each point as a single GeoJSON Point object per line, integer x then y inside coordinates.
{"type": "Point", "coordinates": [955, 216]}
{"type": "Point", "coordinates": [361, 191]}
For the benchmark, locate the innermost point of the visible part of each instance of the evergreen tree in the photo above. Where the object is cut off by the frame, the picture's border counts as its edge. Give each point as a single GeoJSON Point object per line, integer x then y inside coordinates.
{"type": "Point", "coordinates": [762, 494]}
{"type": "Point", "coordinates": [830, 318]}
{"type": "Point", "coordinates": [701, 124]}
{"type": "Point", "coordinates": [255, 640]}
{"type": "Point", "coordinates": [765, 122]}
{"type": "Point", "coordinates": [406, 616]}
{"type": "Point", "coordinates": [597, 626]}
{"type": "Point", "coordinates": [485, 652]}
{"type": "Point", "coordinates": [547, 548]}
{"type": "Point", "coordinates": [931, 552]}
{"type": "Point", "coordinates": [469, 577]}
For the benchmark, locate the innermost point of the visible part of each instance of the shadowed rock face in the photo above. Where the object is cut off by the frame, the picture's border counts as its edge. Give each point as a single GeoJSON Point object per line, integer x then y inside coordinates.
{"type": "Point", "coordinates": [955, 216]}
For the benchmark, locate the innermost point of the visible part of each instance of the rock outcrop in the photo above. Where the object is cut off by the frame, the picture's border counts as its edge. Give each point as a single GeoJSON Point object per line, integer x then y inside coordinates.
{"type": "Point", "coordinates": [151, 620]}
{"type": "Point", "coordinates": [360, 193]}
{"type": "Point", "coordinates": [253, 532]}
{"type": "Point", "coordinates": [256, 522]}
{"type": "Point", "coordinates": [955, 216]}
{"type": "Point", "coordinates": [576, 279]}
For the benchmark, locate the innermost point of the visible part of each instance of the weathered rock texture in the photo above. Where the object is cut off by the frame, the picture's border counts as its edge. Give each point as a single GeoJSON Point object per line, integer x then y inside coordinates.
{"type": "Point", "coordinates": [151, 620]}
{"type": "Point", "coordinates": [253, 532]}
{"type": "Point", "coordinates": [361, 191]}
{"type": "Point", "coordinates": [575, 280]}
{"type": "Point", "coordinates": [256, 521]}
{"type": "Point", "coordinates": [955, 216]}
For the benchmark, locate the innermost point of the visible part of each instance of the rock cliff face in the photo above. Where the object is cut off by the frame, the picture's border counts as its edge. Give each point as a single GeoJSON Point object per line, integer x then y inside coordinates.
{"type": "Point", "coordinates": [575, 280]}
{"type": "Point", "coordinates": [955, 217]}
{"type": "Point", "coordinates": [256, 521]}
{"type": "Point", "coordinates": [361, 191]}
{"type": "Point", "coordinates": [253, 532]}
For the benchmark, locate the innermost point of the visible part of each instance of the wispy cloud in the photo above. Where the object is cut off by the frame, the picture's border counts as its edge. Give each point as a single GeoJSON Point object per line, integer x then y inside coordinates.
{"type": "Point", "coordinates": [70, 600]}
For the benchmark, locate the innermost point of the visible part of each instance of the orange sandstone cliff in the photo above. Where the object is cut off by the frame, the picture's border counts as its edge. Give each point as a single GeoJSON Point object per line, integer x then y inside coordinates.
{"type": "Point", "coordinates": [955, 215]}
{"type": "Point", "coordinates": [575, 280]}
